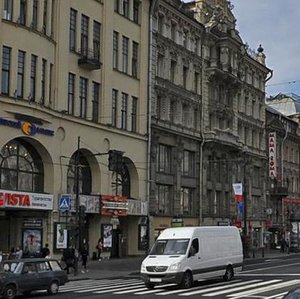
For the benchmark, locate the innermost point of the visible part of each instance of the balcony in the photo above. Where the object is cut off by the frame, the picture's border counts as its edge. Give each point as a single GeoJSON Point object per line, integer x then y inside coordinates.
{"type": "Point", "coordinates": [279, 191]}
{"type": "Point", "coordinates": [89, 59]}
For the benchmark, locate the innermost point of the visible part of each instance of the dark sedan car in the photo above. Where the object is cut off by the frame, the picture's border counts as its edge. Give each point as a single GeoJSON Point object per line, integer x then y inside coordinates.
{"type": "Point", "coordinates": [26, 275]}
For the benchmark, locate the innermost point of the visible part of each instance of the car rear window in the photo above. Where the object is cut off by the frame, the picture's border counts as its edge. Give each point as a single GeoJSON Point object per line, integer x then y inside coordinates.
{"type": "Point", "coordinates": [55, 266]}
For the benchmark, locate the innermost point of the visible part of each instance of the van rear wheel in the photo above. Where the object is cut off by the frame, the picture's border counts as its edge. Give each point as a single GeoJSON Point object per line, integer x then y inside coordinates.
{"type": "Point", "coordinates": [228, 274]}
{"type": "Point", "coordinates": [187, 280]}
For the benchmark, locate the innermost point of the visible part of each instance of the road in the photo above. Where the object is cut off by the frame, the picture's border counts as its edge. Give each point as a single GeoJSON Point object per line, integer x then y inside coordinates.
{"type": "Point", "coordinates": [267, 279]}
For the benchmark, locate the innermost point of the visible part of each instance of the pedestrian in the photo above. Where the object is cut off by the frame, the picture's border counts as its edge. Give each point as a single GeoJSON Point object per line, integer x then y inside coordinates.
{"type": "Point", "coordinates": [287, 244]}
{"type": "Point", "coordinates": [1, 257]}
{"type": "Point", "coordinates": [84, 258]}
{"type": "Point", "coordinates": [99, 248]}
{"type": "Point", "coordinates": [12, 254]}
{"type": "Point", "coordinates": [69, 258]}
{"type": "Point", "coordinates": [19, 253]}
{"type": "Point", "coordinates": [45, 252]}
{"type": "Point", "coordinates": [282, 245]}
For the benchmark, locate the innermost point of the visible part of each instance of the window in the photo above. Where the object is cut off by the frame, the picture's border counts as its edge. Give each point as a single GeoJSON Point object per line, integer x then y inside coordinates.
{"type": "Point", "coordinates": [196, 82]}
{"type": "Point", "coordinates": [188, 163]}
{"type": "Point", "coordinates": [134, 63]}
{"type": "Point", "coordinates": [185, 76]}
{"type": "Point", "coordinates": [172, 111]}
{"type": "Point", "coordinates": [45, 15]}
{"type": "Point", "coordinates": [96, 95]}
{"type": "Point", "coordinates": [33, 78]}
{"type": "Point", "coordinates": [43, 81]}
{"type": "Point", "coordinates": [124, 111]}
{"type": "Point", "coordinates": [22, 17]}
{"type": "Point", "coordinates": [84, 177]}
{"type": "Point", "coordinates": [126, 8]}
{"type": "Point", "coordinates": [6, 56]}
{"type": "Point", "coordinates": [72, 33]}
{"type": "Point", "coordinates": [115, 49]}
{"type": "Point", "coordinates": [163, 163]}
{"type": "Point", "coordinates": [163, 199]}
{"type": "Point", "coordinates": [116, 5]}
{"type": "Point", "coordinates": [96, 40]}
{"type": "Point", "coordinates": [84, 35]}
{"type": "Point", "coordinates": [185, 39]}
{"type": "Point", "coordinates": [20, 77]}
{"type": "Point", "coordinates": [160, 65]}
{"type": "Point", "coordinates": [8, 10]}
{"type": "Point", "coordinates": [186, 201]}
{"type": "Point", "coordinates": [21, 167]}
{"type": "Point", "coordinates": [136, 11]}
{"type": "Point", "coordinates": [71, 93]}
{"type": "Point", "coordinates": [172, 71]}
{"type": "Point", "coordinates": [173, 31]}
{"type": "Point", "coordinates": [50, 82]}
{"type": "Point", "coordinates": [134, 114]}
{"type": "Point", "coordinates": [114, 108]}
{"type": "Point", "coordinates": [83, 97]}
{"type": "Point", "coordinates": [34, 14]}
{"type": "Point", "coordinates": [125, 54]}
{"type": "Point", "coordinates": [160, 24]}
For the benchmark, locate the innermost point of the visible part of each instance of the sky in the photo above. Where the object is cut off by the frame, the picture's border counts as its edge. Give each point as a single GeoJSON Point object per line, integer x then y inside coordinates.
{"type": "Point", "coordinates": [275, 25]}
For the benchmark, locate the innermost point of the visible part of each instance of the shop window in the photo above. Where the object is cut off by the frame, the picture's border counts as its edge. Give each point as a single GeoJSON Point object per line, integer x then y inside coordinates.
{"type": "Point", "coordinates": [21, 167]}
{"type": "Point", "coordinates": [84, 175]}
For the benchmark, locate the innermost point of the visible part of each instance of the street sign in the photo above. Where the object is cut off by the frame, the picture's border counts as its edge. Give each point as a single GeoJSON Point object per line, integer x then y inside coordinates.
{"type": "Point", "coordinates": [65, 203]}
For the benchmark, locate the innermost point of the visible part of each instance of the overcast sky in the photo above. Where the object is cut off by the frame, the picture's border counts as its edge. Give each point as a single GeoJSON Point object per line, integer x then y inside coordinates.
{"type": "Point", "coordinates": [275, 24]}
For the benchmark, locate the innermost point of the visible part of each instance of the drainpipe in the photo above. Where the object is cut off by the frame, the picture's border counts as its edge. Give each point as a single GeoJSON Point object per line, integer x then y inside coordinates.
{"type": "Point", "coordinates": [282, 185]}
{"type": "Point", "coordinates": [149, 94]}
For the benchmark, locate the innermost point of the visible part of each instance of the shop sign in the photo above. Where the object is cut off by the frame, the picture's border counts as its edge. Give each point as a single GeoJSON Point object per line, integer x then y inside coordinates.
{"type": "Point", "coordinates": [28, 128]}
{"type": "Point", "coordinates": [22, 200]}
{"type": "Point", "coordinates": [291, 200]}
{"type": "Point", "coordinates": [137, 207]}
{"type": "Point", "coordinates": [114, 205]}
{"type": "Point", "coordinates": [272, 155]}
{"type": "Point", "coordinates": [32, 222]}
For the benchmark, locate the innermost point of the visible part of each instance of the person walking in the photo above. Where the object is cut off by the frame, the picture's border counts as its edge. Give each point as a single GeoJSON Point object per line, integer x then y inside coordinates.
{"type": "Point", "coordinates": [99, 248]}
{"type": "Point", "coordinates": [19, 253]}
{"type": "Point", "coordinates": [45, 252]}
{"type": "Point", "coordinates": [84, 258]}
{"type": "Point", "coordinates": [69, 258]}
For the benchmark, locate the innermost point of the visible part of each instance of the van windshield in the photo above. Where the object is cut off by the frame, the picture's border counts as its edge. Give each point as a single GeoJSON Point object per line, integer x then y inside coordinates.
{"type": "Point", "coordinates": [169, 247]}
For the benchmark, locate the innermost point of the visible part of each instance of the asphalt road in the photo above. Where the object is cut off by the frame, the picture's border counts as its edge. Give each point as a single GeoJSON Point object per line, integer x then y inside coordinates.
{"type": "Point", "coordinates": [264, 279]}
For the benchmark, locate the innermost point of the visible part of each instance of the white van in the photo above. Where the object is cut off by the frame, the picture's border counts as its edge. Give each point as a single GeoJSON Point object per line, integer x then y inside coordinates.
{"type": "Point", "coordinates": [185, 254]}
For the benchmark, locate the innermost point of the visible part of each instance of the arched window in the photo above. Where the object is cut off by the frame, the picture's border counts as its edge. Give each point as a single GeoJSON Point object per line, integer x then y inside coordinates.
{"type": "Point", "coordinates": [84, 175]}
{"type": "Point", "coordinates": [21, 167]}
{"type": "Point", "coordinates": [125, 179]}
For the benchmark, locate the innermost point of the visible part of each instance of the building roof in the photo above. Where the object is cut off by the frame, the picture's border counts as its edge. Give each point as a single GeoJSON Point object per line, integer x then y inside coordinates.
{"type": "Point", "coordinates": [286, 103]}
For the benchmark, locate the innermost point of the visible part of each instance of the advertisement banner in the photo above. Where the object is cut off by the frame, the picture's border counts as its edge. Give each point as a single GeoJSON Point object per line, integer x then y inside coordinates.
{"type": "Point", "coordinates": [272, 155]}
{"type": "Point", "coordinates": [61, 237]}
{"type": "Point", "coordinates": [114, 205]}
{"type": "Point", "coordinates": [107, 230]}
{"type": "Point", "coordinates": [32, 242]}
{"type": "Point", "coordinates": [24, 200]}
{"type": "Point", "coordinates": [238, 192]}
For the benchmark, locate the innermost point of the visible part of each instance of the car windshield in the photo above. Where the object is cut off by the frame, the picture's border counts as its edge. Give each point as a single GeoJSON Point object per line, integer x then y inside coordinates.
{"type": "Point", "coordinates": [12, 267]}
{"type": "Point", "coordinates": [169, 247]}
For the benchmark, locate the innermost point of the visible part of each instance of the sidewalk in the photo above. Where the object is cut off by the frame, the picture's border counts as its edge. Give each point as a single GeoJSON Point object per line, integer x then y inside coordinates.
{"type": "Point", "coordinates": [130, 266]}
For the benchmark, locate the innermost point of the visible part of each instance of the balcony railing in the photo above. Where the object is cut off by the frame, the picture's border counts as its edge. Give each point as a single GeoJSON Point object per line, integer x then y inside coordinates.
{"type": "Point", "coordinates": [89, 59]}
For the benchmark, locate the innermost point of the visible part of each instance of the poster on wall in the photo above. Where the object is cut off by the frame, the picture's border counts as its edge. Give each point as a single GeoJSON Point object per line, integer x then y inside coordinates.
{"type": "Point", "coordinates": [107, 230]}
{"type": "Point", "coordinates": [61, 236]}
{"type": "Point", "coordinates": [143, 237]}
{"type": "Point", "coordinates": [32, 242]}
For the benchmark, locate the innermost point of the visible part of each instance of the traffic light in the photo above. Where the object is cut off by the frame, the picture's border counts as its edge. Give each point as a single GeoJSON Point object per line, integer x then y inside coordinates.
{"type": "Point", "coordinates": [115, 160]}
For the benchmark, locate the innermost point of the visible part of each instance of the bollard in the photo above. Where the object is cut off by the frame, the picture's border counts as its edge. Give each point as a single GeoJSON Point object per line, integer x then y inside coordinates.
{"type": "Point", "coordinates": [263, 252]}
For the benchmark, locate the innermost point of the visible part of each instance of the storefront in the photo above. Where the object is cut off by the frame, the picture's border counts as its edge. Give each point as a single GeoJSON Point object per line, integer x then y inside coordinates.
{"type": "Point", "coordinates": [24, 221]}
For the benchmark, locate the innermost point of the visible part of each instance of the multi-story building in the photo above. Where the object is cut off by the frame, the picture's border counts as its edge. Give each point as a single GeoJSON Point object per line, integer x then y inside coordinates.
{"type": "Point", "coordinates": [73, 86]}
{"type": "Point", "coordinates": [176, 100]}
{"type": "Point", "coordinates": [208, 110]}
{"type": "Point", "coordinates": [282, 127]}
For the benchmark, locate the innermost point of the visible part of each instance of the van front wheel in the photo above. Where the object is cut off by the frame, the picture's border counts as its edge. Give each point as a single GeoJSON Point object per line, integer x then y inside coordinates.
{"type": "Point", "coordinates": [228, 274]}
{"type": "Point", "coordinates": [187, 280]}
{"type": "Point", "coordinates": [149, 285]}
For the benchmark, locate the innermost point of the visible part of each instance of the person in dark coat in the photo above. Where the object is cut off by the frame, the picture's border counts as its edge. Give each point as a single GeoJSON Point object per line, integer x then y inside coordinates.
{"type": "Point", "coordinates": [84, 258]}
{"type": "Point", "coordinates": [69, 258]}
{"type": "Point", "coordinates": [45, 251]}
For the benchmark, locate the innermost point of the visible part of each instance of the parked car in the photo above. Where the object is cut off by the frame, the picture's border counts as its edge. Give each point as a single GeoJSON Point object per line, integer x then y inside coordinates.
{"type": "Point", "coordinates": [27, 275]}
{"type": "Point", "coordinates": [292, 294]}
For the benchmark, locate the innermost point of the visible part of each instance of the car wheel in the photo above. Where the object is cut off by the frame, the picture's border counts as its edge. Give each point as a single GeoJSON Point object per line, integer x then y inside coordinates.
{"type": "Point", "coordinates": [53, 288]}
{"type": "Point", "coordinates": [187, 280]}
{"type": "Point", "coordinates": [149, 285]}
{"type": "Point", "coordinates": [228, 274]}
{"type": "Point", "coordinates": [9, 292]}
